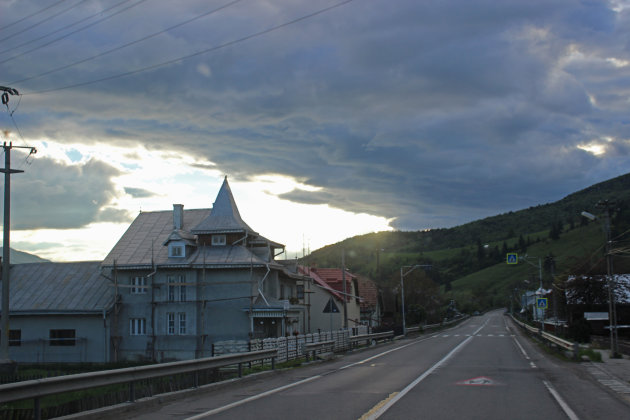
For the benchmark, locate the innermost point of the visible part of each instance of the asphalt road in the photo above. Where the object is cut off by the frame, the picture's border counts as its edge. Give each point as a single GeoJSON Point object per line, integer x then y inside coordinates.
{"type": "Point", "coordinates": [481, 369]}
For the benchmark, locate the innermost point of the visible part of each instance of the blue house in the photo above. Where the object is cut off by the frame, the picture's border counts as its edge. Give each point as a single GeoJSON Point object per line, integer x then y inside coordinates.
{"type": "Point", "coordinates": [60, 312]}
{"type": "Point", "coordinates": [187, 278]}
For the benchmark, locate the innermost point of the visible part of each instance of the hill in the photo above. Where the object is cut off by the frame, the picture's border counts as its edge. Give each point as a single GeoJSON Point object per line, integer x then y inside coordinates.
{"type": "Point", "coordinates": [468, 261]}
{"type": "Point", "coordinates": [20, 257]}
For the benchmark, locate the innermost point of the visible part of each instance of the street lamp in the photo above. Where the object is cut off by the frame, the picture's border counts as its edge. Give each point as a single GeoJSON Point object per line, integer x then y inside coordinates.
{"type": "Point", "coordinates": [402, 289]}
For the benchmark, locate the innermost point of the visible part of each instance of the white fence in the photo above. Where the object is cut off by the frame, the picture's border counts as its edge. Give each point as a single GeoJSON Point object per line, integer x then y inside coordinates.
{"type": "Point", "coordinates": [289, 348]}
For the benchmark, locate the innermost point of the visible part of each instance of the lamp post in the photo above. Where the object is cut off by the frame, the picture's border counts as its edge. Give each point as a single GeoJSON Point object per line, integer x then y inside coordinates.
{"type": "Point", "coordinates": [402, 289]}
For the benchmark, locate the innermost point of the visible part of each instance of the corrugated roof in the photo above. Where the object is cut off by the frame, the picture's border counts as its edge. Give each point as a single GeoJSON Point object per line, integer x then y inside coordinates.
{"type": "Point", "coordinates": [146, 235]}
{"type": "Point", "coordinates": [318, 280]}
{"type": "Point", "coordinates": [334, 278]}
{"type": "Point", "coordinates": [368, 292]}
{"type": "Point", "coordinates": [59, 287]}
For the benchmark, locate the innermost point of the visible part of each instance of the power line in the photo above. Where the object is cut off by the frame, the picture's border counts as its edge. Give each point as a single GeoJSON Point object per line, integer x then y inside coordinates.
{"type": "Point", "coordinates": [120, 47]}
{"type": "Point", "coordinates": [198, 53]}
{"type": "Point", "coordinates": [30, 16]}
{"type": "Point", "coordinates": [63, 28]}
{"type": "Point", "coordinates": [46, 19]}
{"type": "Point", "coordinates": [73, 32]}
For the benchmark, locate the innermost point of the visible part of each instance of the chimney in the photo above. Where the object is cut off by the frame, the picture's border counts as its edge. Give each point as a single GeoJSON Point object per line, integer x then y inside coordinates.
{"type": "Point", "coordinates": [178, 216]}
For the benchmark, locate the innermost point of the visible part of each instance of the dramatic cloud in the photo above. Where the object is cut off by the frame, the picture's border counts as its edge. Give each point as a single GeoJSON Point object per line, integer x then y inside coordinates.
{"type": "Point", "coordinates": [430, 113]}
{"type": "Point", "coordinates": [55, 195]}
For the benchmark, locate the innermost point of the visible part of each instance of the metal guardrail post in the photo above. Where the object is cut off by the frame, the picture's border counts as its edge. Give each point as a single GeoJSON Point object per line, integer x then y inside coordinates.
{"type": "Point", "coordinates": [132, 392]}
{"type": "Point", "coordinates": [37, 409]}
{"type": "Point", "coordinates": [273, 363]}
{"type": "Point", "coordinates": [240, 370]}
{"type": "Point", "coordinates": [576, 351]}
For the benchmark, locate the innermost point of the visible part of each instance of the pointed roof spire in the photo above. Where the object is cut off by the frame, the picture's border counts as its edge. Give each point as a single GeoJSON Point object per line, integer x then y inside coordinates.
{"type": "Point", "coordinates": [224, 217]}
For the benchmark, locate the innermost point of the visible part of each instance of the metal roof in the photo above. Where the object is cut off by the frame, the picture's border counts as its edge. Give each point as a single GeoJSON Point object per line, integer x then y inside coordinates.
{"type": "Point", "coordinates": [75, 287]}
{"type": "Point", "coordinates": [225, 216]}
{"type": "Point", "coordinates": [142, 243]}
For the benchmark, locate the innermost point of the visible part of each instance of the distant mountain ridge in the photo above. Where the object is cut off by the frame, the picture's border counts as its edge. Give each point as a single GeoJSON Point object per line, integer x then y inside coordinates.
{"type": "Point", "coordinates": [21, 257]}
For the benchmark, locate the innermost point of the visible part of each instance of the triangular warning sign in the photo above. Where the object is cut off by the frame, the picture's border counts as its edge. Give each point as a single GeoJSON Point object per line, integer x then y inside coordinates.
{"type": "Point", "coordinates": [479, 381]}
{"type": "Point", "coordinates": [331, 307]}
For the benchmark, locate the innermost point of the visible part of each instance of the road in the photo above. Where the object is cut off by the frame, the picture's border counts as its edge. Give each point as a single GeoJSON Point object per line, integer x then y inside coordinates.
{"type": "Point", "coordinates": [481, 369]}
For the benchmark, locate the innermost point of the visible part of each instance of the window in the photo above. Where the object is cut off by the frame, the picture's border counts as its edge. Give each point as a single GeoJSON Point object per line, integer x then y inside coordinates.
{"type": "Point", "coordinates": [15, 338]}
{"type": "Point", "coordinates": [170, 323]}
{"type": "Point", "coordinates": [300, 291]}
{"type": "Point", "coordinates": [137, 326]}
{"type": "Point", "coordinates": [182, 323]}
{"type": "Point", "coordinates": [176, 288]}
{"type": "Point", "coordinates": [138, 285]}
{"type": "Point", "coordinates": [176, 251]}
{"type": "Point", "coordinates": [62, 337]}
{"type": "Point", "coordinates": [218, 240]}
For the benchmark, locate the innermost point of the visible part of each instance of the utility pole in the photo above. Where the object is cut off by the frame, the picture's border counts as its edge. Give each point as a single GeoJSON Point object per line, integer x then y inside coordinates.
{"type": "Point", "coordinates": [612, 307]}
{"type": "Point", "coordinates": [4, 347]}
{"type": "Point", "coordinates": [345, 294]}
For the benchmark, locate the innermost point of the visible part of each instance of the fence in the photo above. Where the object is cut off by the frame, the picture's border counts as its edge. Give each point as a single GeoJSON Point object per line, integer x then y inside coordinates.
{"type": "Point", "coordinates": [294, 347]}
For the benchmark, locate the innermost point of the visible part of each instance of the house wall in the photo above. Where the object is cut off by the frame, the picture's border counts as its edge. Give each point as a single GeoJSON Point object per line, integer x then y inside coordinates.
{"type": "Point", "coordinates": [215, 307]}
{"type": "Point", "coordinates": [90, 345]}
{"type": "Point", "coordinates": [321, 321]}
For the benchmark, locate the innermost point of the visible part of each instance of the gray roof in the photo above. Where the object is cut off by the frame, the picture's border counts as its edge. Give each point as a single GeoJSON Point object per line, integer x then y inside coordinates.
{"type": "Point", "coordinates": [224, 217]}
{"type": "Point", "coordinates": [49, 287]}
{"type": "Point", "coordinates": [143, 242]}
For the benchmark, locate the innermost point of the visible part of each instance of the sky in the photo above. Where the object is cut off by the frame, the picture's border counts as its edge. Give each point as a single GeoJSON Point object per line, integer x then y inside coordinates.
{"type": "Point", "coordinates": [330, 118]}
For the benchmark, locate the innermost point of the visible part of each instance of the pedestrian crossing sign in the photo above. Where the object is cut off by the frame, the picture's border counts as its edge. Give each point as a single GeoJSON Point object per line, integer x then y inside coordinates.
{"type": "Point", "coordinates": [512, 258]}
{"type": "Point", "coordinates": [541, 303]}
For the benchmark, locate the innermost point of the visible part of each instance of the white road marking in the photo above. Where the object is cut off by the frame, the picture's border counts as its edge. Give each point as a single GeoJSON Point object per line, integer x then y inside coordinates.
{"type": "Point", "coordinates": [565, 407]}
{"type": "Point", "coordinates": [252, 398]}
{"type": "Point", "coordinates": [383, 406]}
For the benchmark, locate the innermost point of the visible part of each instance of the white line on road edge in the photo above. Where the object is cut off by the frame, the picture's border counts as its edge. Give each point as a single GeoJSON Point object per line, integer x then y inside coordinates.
{"type": "Point", "coordinates": [393, 399]}
{"type": "Point", "coordinates": [282, 388]}
{"type": "Point", "coordinates": [531, 364]}
{"type": "Point", "coordinates": [565, 407]}
{"type": "Point", "coordinates": [252, 398]}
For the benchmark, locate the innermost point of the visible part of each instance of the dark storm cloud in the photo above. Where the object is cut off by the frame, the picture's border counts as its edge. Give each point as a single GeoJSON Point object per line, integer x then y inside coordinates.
{"type": "Point", "coordinates": [139, 192]}
{"type": "Point", "coordinates": [53, 195]}
{"type": "Point", "coordinates": [433, 113]}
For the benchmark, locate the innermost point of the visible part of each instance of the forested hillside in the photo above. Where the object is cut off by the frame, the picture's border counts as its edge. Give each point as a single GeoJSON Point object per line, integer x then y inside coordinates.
{"type": "Point", "coordinates": [468, 261]}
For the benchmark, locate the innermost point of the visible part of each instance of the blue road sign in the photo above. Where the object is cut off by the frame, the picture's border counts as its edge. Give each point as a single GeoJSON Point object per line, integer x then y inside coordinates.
{"type": "Point", "coordinates": [541, 303]}
{"type": "Point", "coordinates": [512, 258]}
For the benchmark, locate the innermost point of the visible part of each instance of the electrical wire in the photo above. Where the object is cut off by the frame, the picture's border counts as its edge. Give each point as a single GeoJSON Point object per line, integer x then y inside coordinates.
{"type": "Point", "coordinates": [198, 53]}
{"type": "Point", "coordinates": [42, 21]}
{"type": "Point", "coordinates": [30, 16]}
{"type": "Point", "coordinates": [63, 28]}
{"type": "Point", "coordinates": [73, 32]}
{"type": "Point", "coordinates": [120, 47]}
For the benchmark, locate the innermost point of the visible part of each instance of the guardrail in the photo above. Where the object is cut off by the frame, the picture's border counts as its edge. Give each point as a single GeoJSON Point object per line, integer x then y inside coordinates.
{"type": "Point", "coordinates": [38, 388]}
{"type": "Point", "coordinates": [369, 338]}
{"type": "Point", "coordinates": [428, 327]}
{"type": "Point", "coordinates": [560, 342]}
{"type": "Point", "coordinates": [312, 349]}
